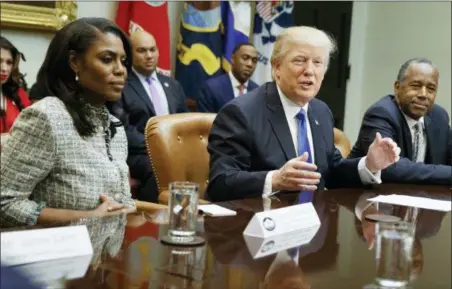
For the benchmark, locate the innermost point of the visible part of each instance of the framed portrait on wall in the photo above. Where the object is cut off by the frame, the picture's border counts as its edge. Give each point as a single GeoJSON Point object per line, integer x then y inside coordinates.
{"type": "Point", "coordinates": [37, 15]}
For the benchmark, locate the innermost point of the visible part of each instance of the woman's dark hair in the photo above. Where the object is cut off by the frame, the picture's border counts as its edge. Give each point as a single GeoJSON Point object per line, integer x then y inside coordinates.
{"type": "Point", "coordinates": [16, 79]}
{"type": "Point", "coordinates": [56, 78]}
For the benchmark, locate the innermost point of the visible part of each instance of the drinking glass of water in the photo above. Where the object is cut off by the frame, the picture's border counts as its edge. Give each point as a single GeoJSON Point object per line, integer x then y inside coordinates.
{"type": "Point", "coordinates": [183, 213]}
{"type": "Point", "coordinates": [394, 248]}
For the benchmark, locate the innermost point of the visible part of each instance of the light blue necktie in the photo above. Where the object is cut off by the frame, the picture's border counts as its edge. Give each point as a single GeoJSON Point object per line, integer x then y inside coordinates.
{"type": "Point", "coordinates": [303, 146]}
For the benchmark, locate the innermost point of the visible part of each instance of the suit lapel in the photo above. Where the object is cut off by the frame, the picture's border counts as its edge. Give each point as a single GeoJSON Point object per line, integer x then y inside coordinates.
{"type": "Point", "coordinates": [406, 132]}
{"type": "Point", "coordinates": [317, 136]}
{"type": "Point", "coordinates": [407, 135]}
{"type": "Point", "coordinates": [430, 130]}
{"type": "Point", "coordinates": [228, 93]}
{"type": "Point", "coordinates": [251, 86]}
{"type": "Point", "coordinates": [278, 121]}
{"type": "Point", "coordinates": [168, 89]}
{"type": "Point", "coordinates": [136, 85]}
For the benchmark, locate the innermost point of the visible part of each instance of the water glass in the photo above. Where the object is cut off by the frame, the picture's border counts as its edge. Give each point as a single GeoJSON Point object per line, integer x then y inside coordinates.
{"type": "Point", "coordinates": [394, 247]}
{"type": "Point", "coordinates": [183, 211]}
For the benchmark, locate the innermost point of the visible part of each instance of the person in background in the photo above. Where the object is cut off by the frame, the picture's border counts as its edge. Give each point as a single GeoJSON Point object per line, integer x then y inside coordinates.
{"type": "Point", "coordinates": [13, 95]}
{"type": "Point", "coordinates": [280, 137]}
{"type": "Point", "coordinates": [147, 94]}
{"type": "Point", "coordinates": [420, 127]}
{"type": "Point", "coordinates": [218, 91]}
{"type": "Point", "coordinates": [65, 160]}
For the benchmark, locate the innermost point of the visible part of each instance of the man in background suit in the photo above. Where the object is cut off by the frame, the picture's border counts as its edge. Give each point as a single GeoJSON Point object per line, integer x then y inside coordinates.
{"type": "Point", "coordinates": [280, 138]}
{"type": "Point", "coordinates": [218, 91]}
{"type": "Point", "coordinates": [420, 127]}
{"type": "Point", "coordinates": [145, 95]}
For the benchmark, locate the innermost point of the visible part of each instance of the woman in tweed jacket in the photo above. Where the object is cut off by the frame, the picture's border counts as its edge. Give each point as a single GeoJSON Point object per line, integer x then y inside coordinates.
{"type": "Point", "coordinates": [65, 160]}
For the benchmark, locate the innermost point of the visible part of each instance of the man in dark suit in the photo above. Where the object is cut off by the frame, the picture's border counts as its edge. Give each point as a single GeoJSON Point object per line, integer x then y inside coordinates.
{"type": "Point", "coordinates": [218, 91]}
{"type": "Point", "coordinates": [255, 139]}
{"type": "Point", "coordinates": [420, 128]}
{"type": "Point", "coordinates": [147, 94]}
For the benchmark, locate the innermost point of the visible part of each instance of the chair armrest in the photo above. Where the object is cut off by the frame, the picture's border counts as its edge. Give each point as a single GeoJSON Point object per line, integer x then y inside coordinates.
{"type": "Point", "coordinates": [203, 202]}
{"type": "Point", "coordinates": [164, 198]}
{"type": "Point", "coordinates": [148, 207]}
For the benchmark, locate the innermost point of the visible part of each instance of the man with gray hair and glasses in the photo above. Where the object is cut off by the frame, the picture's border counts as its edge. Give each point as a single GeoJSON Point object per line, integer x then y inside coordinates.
{"type": "Point", "coordinates": [419, 127]}
{"type": "Point", "coordinates": [279, 137]}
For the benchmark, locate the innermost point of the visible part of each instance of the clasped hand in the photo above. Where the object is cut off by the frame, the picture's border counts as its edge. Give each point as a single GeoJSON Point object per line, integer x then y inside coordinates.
{"type": "Point", "coordinates": [110, 207]}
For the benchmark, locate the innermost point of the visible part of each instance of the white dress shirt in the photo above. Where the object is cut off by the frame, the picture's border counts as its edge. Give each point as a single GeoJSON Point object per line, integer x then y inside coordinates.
{"type": "Point", "coordinates": [290, 110]}
{"type": "Point", "coordinates": [236, 85]}
{"type": "Point", "coordinates": [158, 87]}
{"type": "Point", "coordinates": [422, 143]}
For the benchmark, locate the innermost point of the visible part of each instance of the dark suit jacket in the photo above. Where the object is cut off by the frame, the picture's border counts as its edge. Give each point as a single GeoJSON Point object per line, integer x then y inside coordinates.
{"type": "Point", "coordinates": [250, 137]}
{"type": "Point", "coordinates": [450, 147]}
{"type": "Point", "coordinates": [386, 117]}
{"type": "Point", "coordinates": [137, 104]}
{"type": "Point", "coordinates": [14, 278]}
{"type": "Point", "coordinates": [216, 92]}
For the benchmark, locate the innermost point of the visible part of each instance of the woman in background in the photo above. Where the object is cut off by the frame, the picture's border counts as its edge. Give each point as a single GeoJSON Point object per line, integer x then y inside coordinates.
{"type": "Point", "coordinates": [13, 97]}
{"type": "Point", "coordinates": [65, 159]}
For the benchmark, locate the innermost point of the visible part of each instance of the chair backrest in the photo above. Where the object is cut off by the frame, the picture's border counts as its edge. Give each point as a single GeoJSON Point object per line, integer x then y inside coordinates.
{"type": "Point", "coordinates": [177, 147]}
{"type": "Point", "coordinates": [341, 142]}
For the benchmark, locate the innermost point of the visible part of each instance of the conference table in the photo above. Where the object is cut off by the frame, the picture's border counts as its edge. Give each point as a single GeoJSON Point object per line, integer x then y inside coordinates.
{"type": "Point", "coordinates": [339, 256]}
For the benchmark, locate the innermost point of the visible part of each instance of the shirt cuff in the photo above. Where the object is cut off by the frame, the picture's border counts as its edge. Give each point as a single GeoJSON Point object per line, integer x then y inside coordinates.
{"type": "Point", "coordinates": [268, 186]}
{"type": "Point", "coordinates": [366, 176]}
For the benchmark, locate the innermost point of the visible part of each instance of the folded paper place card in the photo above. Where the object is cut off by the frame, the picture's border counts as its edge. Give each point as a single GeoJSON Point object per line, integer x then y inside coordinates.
{"type": "Point", "coordinates": [66, 268]}
{"type": "Point", "coordinates": [216, 211]}
{"type": "Point", "coordinates": [261, 247]}
{"type": "Point", "coordinates": [410, 201]}
{"type": "Point", "coordinates": [40, 245]}
{"type": "Point", "coordinates": [282, 221]}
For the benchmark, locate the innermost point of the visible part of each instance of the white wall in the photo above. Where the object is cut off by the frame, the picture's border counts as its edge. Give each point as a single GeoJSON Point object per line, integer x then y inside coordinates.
{"type": "Point", "coordinates": [383, 36]}
{"type": "Point", "coordinates": [386, 34]}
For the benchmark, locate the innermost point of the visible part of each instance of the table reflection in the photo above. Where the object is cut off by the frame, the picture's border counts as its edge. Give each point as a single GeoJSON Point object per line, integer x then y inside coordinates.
{"type": "Point", "coordinates": [285, 269]}
{"type": "Point", "coordinates": [130, 255]}
{"type": "Point", "coordinates": [427, 222]}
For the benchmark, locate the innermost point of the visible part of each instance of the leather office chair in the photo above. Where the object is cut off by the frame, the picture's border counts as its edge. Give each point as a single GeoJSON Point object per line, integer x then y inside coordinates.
{"type": "Point", "coordinates": [341, 142]}
{"type": "Point", "coordinates": [143, 206]}
{"type": "Point", "coordinates": [177, 147]}
{"type": "Point", "coordinates": [149, 207]}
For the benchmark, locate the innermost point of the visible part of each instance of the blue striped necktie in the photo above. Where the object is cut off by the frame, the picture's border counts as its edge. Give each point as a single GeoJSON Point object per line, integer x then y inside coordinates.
{"type": "Point", "coordinates": [303, 146]}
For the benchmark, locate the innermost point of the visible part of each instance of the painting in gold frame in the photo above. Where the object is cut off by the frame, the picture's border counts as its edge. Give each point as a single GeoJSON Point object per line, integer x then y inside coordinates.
{"type": "Point", "coordinates": [37, 15]}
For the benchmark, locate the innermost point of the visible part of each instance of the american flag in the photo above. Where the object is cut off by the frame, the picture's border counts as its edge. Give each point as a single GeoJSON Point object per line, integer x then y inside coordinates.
{"type": "Point", "coordinates": [265, 9]}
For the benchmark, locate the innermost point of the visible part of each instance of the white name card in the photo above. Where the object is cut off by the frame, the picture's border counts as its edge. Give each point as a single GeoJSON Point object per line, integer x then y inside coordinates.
{"type": "Point", "coordinates": [30, 246]}
{"type": "Point", "coordinates": [417, 202]}
{"type": "Point", "coordinates": [282, 221]}
{"type": "Point", "coordinates": [259, 247]}
{"type": "Point", "coordinates": [66, 269]}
